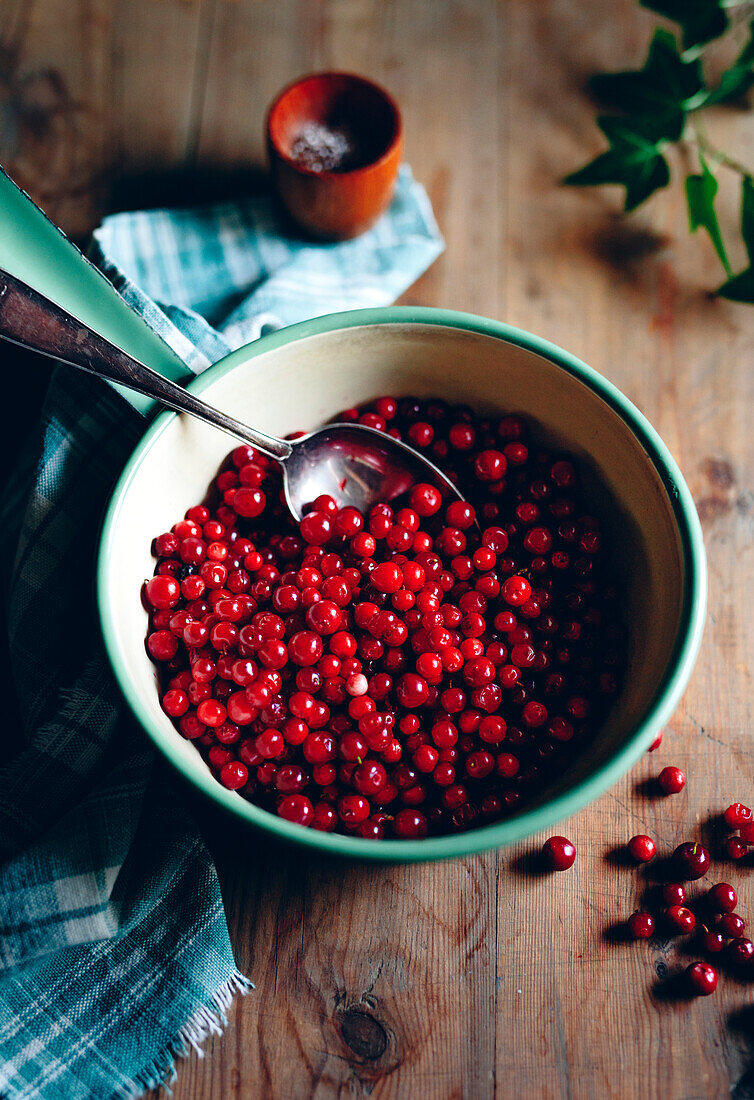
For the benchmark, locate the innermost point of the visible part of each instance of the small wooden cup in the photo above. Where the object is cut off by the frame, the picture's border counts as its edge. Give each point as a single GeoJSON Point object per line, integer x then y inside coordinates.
{"type": "Point", "coordinates": [336, 204]}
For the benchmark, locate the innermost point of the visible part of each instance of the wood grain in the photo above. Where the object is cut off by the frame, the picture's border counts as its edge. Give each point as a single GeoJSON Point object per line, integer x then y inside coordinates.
{"type": "Point", "coordinates": [476, 978]}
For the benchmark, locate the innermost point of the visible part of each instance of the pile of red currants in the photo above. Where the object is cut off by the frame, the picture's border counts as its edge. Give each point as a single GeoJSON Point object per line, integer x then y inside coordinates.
{"type": "Point", "coordinates": [424, 669]}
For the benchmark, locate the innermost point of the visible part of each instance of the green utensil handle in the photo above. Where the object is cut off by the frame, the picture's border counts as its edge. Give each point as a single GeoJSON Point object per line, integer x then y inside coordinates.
{"type": "Point", "coordinates": [40, 255]}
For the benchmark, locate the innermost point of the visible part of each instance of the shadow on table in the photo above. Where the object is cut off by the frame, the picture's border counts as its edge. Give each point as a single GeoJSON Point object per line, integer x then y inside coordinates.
{"type": "Point", "coordinates": [263, 878]}
{"type": "Point", "coordinates": [182, 187]}
{"type": "Point", "coordinates": [238, 847]}
{"type": "Point", "coordinates": [743, 1023]}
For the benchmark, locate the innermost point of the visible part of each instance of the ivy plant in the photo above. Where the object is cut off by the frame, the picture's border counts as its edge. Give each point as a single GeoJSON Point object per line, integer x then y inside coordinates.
{"type": "Point", "coordinates": [659, 105]}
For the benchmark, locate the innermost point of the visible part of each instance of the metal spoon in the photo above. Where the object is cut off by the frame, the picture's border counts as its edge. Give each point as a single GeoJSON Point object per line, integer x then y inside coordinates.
{"type": "Point", "coordinates": [356, 465]}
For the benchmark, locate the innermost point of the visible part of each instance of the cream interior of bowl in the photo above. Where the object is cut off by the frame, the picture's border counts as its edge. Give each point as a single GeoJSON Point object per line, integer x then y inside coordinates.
{"type": "Point", "coordinates": [303, 383]}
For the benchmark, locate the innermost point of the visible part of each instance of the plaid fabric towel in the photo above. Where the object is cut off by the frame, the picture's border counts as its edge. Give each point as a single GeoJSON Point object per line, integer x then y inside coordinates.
{"type": "Point", "coordinates": [114, 949]}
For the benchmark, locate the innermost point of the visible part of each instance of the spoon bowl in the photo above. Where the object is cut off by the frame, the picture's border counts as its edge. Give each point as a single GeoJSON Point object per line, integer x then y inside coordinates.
{"type": "Point", "coordinates": [358, 466]}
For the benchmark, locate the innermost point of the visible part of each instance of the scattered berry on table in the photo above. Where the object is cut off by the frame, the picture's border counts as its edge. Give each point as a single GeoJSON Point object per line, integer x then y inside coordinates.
{"type": "Point", "coordinates": [713, 942]}
{"type": "Point", "coordinates": [722, 898]}
{"type": "Point", "coordinates": [735, 848]}
{"type": "Point", "coordinates": [702, 978]}
{"type": "Point", "coordinates": [559, 853]}
{"type": "Point", "coordinates": [731, 925]}
{"type": "Point", "coordinates": [680, 919]}
{"type": "Point", "coordinates": [672, 780]}
{"type": "Point", "coordinates": [642, 848]}
{"type": "Point", "coordinates": [691, 860]}
{"type": "Point", "coordinates": [737, 814]}
{"type": "Point", "coordinates": [740, 953]}
{"type": "Point", "coordinates": [641, 925]}
{"type": "Point", "coordinates": [673, 893]}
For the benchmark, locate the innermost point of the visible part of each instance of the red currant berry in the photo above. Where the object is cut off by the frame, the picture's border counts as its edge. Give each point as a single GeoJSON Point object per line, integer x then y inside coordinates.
{"type": "Point", "coordinates": [461, 437]}
{"type": "Point", "coordinates": [426, 758]}
{"type": "Point", "coordinates": [387, 577]}
{"type": "Point", "coordinates": [642, 848]}
{"type": "Point", "coordinates": [234, 775]}
{"type": "Point", "coordinates": [671, 780]}
{"type": "Point", "coordinates": [722, 898]}
{"type": "Point", "coordinates": [656, 743]}
{"type": "Point", "coordinates": [692, 860]}
{"type": "Point", "coordinates": [162, 645]}
{"type": "Point", "coordinates": [534, 715]}
{"type": "Point", "coordinates": [163, 592]}
{"type": "Point", "coordinates": [211, 713]}
{"type": "Point", "coordinates": [641, 925]}
{"type": "Point", "coordinates": [490, 465]}
{"type": "Point", "coordinates": [249, 503]}
{"type": "Point", "coordinates": [740, 952]}
{"type": "Point", "coordinates": [737, 814]}
{"type": "Point", "coordinates": [175, 702]}
{"type": "Point", "coordinates": [674, 894]}
{"type": "Point", "coordinates": [412, 690]}
{"type": "Point", "coordinates": [425, 499]}
{"type": "Point", "coordinates": [353, 809]}
{"type": "Point", "coordinates": [559, 853]}
{"type": "Point", "coordinates": [680, 919]}
{"type": "Point", "coordinates": [516, 591]}
{"type": "Point", "coordinates": [731, 925]}
{"type": "Point", "coordinates": [369, 778]}
{"type": "Point", "coordinates": [735, 848]}
{"type": "Point", "coordinates": [713, 942]}
{"type": "Point", "coordinates": [479, 764]}
{"type": "Point", "coordinates": [702, 978]}
{"type": "Point", "coordinates": [421, 434]}
{"type": "Point", "coordinates": [297, 808]}
{"type": "Point", "coordinates": [410, 824]}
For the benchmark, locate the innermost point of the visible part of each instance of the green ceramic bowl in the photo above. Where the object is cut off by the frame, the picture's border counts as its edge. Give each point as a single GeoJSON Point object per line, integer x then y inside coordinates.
{"type": "Point", "coordinates": [302, 375]}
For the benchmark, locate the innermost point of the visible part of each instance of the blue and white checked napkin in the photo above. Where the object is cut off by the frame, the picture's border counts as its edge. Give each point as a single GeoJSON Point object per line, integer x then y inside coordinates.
{"type": "Point", "coordinates": [114, 949]}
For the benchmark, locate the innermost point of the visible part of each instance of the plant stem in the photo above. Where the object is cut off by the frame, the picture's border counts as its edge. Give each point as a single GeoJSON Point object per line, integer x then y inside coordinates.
{"type": "Point", "coordinates": [701, 142]}
{"type": "Point", "coordinates": [742, 11]}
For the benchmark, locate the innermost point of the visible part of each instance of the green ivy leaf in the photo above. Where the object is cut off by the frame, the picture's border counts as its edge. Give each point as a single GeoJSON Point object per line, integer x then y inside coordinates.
{"type": "Point", "coordinates": [633, 159]}
{"type": "Point", "coordinates": [740, 288]}
{"type": "Point", "coordinates": [747, 215]}
{"type": "Point", "coordinates": [665, 88]}
{"type": "Point", "coordinates": [700, 20]}
{"type": "Point", "coordinates": [700, 199]}
{"type": "Point", "coordinates": [738, 78]}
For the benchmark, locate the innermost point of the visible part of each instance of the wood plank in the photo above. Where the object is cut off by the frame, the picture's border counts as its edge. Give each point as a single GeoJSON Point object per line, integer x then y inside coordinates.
{"type": "Point", "coordinates": [255, 49]}
{"type": "Point", "coordinates": [52, 135]}
{"type": "Point", "coordinates": [96, 94]}
{"type": "Point", "coordinates": [629, 296]}
{"type": "Point", "coordinates": [475, 978]}
{"type": "Point", "coordinates": [158, 78]}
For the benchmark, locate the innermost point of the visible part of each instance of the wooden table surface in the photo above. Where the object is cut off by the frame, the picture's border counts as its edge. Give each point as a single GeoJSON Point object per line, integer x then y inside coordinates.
{"type": "Point", "coordinates": [473, 978]}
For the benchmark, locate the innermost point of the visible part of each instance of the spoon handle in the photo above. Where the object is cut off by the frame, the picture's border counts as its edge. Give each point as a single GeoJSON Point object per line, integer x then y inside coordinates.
{"type": "Point", "coordinates": [32, 321]}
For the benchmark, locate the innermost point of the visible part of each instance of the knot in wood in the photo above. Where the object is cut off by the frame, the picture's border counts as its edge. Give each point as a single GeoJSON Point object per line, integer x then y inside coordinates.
{"type": "Point", "coordinates": [364, 1034]}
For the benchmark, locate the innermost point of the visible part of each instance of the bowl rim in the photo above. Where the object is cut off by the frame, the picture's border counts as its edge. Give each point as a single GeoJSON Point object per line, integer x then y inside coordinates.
{"type": "Point", "coordinates": [395, 141]}
{"type": "Point", "coordinates": [540, 816]}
